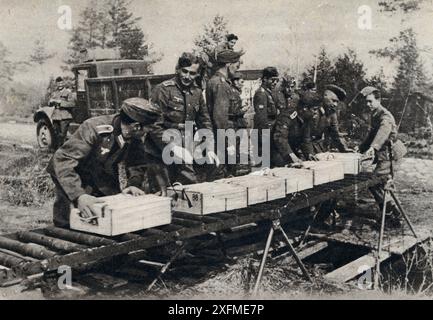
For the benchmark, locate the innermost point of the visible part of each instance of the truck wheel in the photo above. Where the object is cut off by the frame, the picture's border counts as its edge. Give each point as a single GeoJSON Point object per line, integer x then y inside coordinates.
{"type": "Point", "coordinates": [45, 134]}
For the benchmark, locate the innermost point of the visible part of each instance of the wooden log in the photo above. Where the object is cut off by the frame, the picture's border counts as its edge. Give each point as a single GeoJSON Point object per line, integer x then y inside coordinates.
{"type": "Point", "coordinates": [78, 237]}
{"type": "Point", "coordinates": [17, 255]}
{"type": "Point", "coordinates": [28, 249]}
{"type": "Point", "coordinates": [52, 243]}
{"type": "Point", "coordinates": [9, 261]}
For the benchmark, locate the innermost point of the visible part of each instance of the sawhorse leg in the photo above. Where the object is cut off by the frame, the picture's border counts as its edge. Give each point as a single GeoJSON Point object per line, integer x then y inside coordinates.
{"type": "Point", "coordinates": [388, 191]}
{"type": "Point", "coordinates": [167, 265]}
{"type": "Point", "coordinates": [276, 225]}
{"type": "Point", "coordinates": [307, 231]}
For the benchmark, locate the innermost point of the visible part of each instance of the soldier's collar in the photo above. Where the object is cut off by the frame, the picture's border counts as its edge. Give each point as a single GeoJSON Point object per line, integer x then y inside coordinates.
{"type": "Point", "coordinates": [182, 88]}
{"type": "Point", "coordinates": [266, 89]}
{"type": "Point", "coordinates": [223, 77]}
{"type": "Point", "coordinates": [117, 132]}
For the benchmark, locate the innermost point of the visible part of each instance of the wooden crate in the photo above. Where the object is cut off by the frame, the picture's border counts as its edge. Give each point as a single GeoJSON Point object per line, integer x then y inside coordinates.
{"type": "Point", "coordinates": [209, 197]}
{"type": "Point", "coordinates": [325, 171]}
{"type": "Point", "coordinates": [296, 179]}
{"type": "Point", "coordinates": [122, 214]}
{"type": "Point", "coordinates": [351, 161]}
{"type": "Point", "coordinates": [259, 188]}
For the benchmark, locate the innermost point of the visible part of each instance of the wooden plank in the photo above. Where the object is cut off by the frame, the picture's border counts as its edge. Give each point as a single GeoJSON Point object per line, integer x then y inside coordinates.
{"type": "Point", "coordinates": [358, 266]}
{"type": "Point", "coordinates": [354, 268]}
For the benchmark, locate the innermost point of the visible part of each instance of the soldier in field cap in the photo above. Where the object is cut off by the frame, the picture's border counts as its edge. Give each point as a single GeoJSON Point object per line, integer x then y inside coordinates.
{"type": "Point", "coordinates": [101, 158]}
{"type": "Point", "coordinates": [181, 100]}
{"type": "Point", "coordinates": [323, 128]}
{"type": "Point", "coordinates": [381, 142]}
{"type": "Point", "coordinates": [63, 101]}
{"type": "Point", "coordinates": [222, 98]}
{"type": "Point", "coordinates": [265, 106]}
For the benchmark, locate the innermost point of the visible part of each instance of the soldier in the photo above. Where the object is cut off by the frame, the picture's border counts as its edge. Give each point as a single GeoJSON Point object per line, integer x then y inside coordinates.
{"type": "Point", "coordinates": [63, 100]}
{"type": "Point", "coordinates": [94, 161]}
{"type": "Point", "coordinates": [381, 141]}
{"type": "Point", "coordinates": [289, 128]}
{"type": "Point", "coordinates": [181, 100]}
{"type": "Point", "coordinates": [231, 40]}
{"type": "Point", "coordinates": [323, 123]}
{"type": "Point", "coordinates": [222, 99]}
{"type": "Point", "coordinates": [237, 111]}
{"type": "Point", "coordinates": [264, 104]}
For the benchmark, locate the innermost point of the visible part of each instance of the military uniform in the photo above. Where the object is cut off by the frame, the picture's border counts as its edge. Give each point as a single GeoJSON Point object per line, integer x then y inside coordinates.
{"type": "Point", "coordinates": [64, 101]}
{"type": "Point", "coordinates": [289, 133]}
{"type": "Point", "coordinates": [92, 162]}
{"type": "Point", "coordinates": [179, 105]}
{"type": "Point", "coordinates": [222, 102]}
{"type": "Point", "coordinates": [322, 130]}
{"type": "Point", "coordinates": [265, 109]}
{"type": "Point", "coordinates": [383, 131]}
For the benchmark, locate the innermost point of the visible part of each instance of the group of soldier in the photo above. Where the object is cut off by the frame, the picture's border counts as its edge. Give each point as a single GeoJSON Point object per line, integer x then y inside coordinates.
{"type": "Point", "coordinates": [122, 152]}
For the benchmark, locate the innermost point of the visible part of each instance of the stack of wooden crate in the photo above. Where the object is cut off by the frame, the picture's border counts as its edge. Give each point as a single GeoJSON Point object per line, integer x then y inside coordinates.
{"type": "Point", "coordinates": [259, 188]}
{"type": "Point", "coordinates": [351, 161]}
{"type": "Point", "coordinates": [325, 171]}
{"type": "Point", "coordinates": [208, 197]}
{"type": "Point", "coordinates": [121, 214]}
{"type": "Point", "coordinates": [296, 180]}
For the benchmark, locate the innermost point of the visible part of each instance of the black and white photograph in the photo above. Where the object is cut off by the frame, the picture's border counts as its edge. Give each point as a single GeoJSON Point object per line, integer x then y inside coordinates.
{"type": "Point", "coordinates": [233, 151]}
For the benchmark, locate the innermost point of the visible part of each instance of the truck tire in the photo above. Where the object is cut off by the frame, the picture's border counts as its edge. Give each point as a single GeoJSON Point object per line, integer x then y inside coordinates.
{"type": "Point", "coordinates": [45, 134]}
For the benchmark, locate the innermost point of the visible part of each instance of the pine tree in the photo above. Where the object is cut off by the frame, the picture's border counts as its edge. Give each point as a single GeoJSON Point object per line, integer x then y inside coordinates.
{"type": "Point", "coordinates": [214, 34]}
{"type": "Point", "coordinates": [40, 55]}
{"type": "Point", "coordinates": [325, 71]}
{"type": "Point", "coordinates": [122, 24]}
{"type": "Point", "coordinates": [349, 73]}
{"type": "Point", "coordinates": [410, 75]}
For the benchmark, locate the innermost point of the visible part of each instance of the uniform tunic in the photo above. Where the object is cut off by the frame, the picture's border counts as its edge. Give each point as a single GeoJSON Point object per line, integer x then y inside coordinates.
{"type": "Point", "coordinates": [88, 163]}
{"type": "Point", "coordinates": [66, 100]}
{"type": "Point", "coordinates": [321, 131]}
{"type": "Point", "coordinates": [179, 105]}
{"type": "Point", "coordinates": [289, 133]}
{"type": "Point", "coordinates": [265, 109]}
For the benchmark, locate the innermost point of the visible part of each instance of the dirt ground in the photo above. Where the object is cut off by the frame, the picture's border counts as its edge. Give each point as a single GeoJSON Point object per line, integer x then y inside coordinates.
{"type": "Point", "coordinates": [414, 181]}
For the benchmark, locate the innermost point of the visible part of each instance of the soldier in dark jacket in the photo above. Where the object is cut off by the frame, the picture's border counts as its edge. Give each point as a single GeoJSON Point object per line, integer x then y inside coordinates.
{"type": "Point", "coordinates": [63, 100]}
{"type": "Point", "coordinates": [322, 123]}
{"type": "Point", "coordinates": [181, 100]}
{"type": "Point", "coordinates": [223, 100]}
{"type": "Point", "coordinates": [289, 128]}
{"type": "Point", "coordinates": [265, 106]}
{"type": "Point", "coordinates": [94, 162]}
{"type": "Point", "coordinates": [378, 143]}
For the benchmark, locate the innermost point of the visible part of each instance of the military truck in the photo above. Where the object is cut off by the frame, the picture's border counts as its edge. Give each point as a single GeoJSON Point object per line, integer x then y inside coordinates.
{"type": "Point", "coordinates": [102, 86]}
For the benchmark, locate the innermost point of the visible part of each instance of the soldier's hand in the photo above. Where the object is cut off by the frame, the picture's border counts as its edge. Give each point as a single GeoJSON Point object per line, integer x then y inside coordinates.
{"type": "Point", "coordinates": [183, 154]}
{"type": "Point", "coordinates": [296, 162]}
{"type": "Point", "coordinates": [356, 149]}
{"type": "Point", "coordinates": [349, 150]}
{"type": "Point", "coordinates": [369, 153]}
{"type": "Point", "coordinates": [213, 158]}
{"type": "Point", "coordinates": [312, 157]}
{"type": "Point", "coordinates": [85, 205]}
{"type": "Point", "coordinates": [133, 191]}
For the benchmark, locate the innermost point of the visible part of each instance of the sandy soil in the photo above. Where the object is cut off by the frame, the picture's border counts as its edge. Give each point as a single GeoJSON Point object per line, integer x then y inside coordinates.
{"type": "Point", "coordinates": [18, 132]}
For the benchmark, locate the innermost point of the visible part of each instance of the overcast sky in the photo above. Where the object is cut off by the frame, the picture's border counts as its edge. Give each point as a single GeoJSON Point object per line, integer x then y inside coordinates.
{"type": "Point", "coordinates": [273, 32]}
